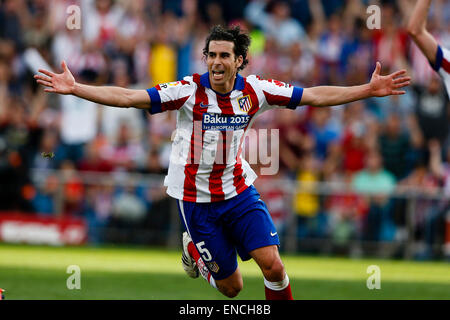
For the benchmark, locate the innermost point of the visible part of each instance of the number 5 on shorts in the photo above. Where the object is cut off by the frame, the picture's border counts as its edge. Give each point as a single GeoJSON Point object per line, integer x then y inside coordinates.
{"type": "Point", "coordinates": [206, 256]}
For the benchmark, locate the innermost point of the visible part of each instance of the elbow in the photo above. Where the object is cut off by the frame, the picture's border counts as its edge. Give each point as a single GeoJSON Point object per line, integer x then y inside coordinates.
{"type": "Point", "coordinates": [318, 102]}
{"type": "Point", "coordinates": [413, 30]}
{"type": "Point", "coordinates": [127, 104]}
{"type": "Point", "coordinates": [314, 100]}
{"type": "Point", "coordinates": [127, 101]}
{"type": "Point", "coordinates": [317, 97]}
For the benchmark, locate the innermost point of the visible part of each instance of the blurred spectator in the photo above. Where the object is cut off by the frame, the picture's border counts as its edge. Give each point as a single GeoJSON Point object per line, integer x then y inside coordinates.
{"type": "Point", "coordinates": [98, 209]}
{"type": "Point", "coordinates": [277, 23]}
{"type": "Point", "coordinates": [101, 21]}
{"type": "Point", "coordinates": [130, 39]}
{"type": "Point", "coordinates": [18, 130]}
{"type": "Point", "coordinates": [395, 147]}
{"type": "Point", "coordinates": [128, 212]}
{"type": "Point", "coordinates": [15, 188]}
{"type": "Point", "coordinates": [354, 140]}
{"type": "Point", "coordinates": [345, 210]}
{"type": "Point", "coordinates": [111, 118]}
{"type": "Point", "coordinates": [163, 66]}
{"type": "Point", "coordinates": [298, 65]}
{"type": "Point", "coordinates": [376, 183]}
{"type": "Point", "coordinates": [275, 198]}
{"type": "Point", "coordinates": [153, 164]}
{"type": "Point", "coordinates": [184, 38]}
{"type": "Point", "coordinates": [157, 220]}
{"type": "Point", "coordinates": [390, 41]}
{"type": "Point", "coordinates": [434, 223]}
{"type": "Point", "coordinates": [357, 54]}
{"type": "Point", "coordinates": [45, 197]}
{"type": "Point", "coordinates": [13, 17]}
{"type": "Point", "coordinates": [93, 159]}
{"type": "Point", "coordinates": [267, 64]}
{"type": "Point", "coordinates": [329, 50]}
{"type": "Point", "coordinates": [310, 221]}
{"type": "Point", "coordinates": [214, 14]}
{"type": "Point", "coordinates": [292, 136]}
{"type": "Point", "coordinates": [432, 110]}
{"type": "Point", "coordinates": [73, 190]}
{"type": "Point", "coordinates": [48, 146]}
{"type": "Point", "coordinates": [128, 207]}
{"type": "Point", "coordinates": [419, 185]}
{"type": "Point", "coordinates": [323, 130]}
{"type": "Point", "coordinates": [78, 121]}
{"type": "Point", "coordinates": [67, 45]}
{"type": "Point", "coordinates": [125, 154]}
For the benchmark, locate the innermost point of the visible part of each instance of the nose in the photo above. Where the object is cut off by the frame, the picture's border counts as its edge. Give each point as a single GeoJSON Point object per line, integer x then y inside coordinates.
{"type": "Point", "coordinates": [217, 61]}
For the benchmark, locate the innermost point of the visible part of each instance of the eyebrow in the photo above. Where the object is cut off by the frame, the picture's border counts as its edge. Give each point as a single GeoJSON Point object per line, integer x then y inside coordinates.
{"type": "Point", "coordinates": [221, 53]}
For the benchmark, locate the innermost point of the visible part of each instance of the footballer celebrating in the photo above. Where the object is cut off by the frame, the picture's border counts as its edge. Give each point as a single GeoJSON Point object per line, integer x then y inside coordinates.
{"type": "Point", "coordinates": [221, 210]}
{"type": "Point", "coordinates": [438, 56]}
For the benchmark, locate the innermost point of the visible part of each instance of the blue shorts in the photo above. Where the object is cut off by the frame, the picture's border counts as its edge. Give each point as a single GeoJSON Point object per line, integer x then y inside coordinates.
{"type": "Point", "coordinates": [219, 229]}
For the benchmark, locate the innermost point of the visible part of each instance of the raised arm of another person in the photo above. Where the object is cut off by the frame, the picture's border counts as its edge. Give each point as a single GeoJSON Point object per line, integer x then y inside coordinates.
{"type": "Point", "coordinates": [417, 29]}
{"type": "Point", "coordinates": [64, 83]}
{"type": "Point", "coordinates": [379, 86]}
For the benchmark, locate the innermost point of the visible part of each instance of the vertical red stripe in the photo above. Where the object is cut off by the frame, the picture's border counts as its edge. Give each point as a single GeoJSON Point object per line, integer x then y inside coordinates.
{"type": "Point", "coordinates": [225, 105]}
{"type": "Point", "coordinates": [191, 168]}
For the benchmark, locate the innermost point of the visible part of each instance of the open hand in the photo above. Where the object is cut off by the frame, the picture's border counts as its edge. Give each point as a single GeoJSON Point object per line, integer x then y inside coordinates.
{"type": "Point", "coordinates": [63, 83]}
{"type": "Point", "coordinates": [388, 85]}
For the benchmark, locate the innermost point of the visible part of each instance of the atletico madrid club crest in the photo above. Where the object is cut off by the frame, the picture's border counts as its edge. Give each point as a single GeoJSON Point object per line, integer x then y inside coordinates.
{"type": "Point", "coordinates": [245, 103]}
{"type": "Point", "coordinates": [213, 266]}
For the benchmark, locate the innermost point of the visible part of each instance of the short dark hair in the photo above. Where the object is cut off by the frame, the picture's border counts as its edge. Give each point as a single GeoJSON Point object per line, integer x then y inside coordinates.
{"type": "Point", "coordinates": [233, 34]}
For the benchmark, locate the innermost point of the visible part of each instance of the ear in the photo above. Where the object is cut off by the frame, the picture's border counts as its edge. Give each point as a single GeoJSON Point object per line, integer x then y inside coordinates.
{"type": "Point", "coordinates": [240, 61]}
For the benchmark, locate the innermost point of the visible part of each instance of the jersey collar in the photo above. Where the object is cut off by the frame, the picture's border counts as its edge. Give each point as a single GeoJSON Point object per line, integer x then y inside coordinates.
{"type": "Point", "coordinates": [238, 83]}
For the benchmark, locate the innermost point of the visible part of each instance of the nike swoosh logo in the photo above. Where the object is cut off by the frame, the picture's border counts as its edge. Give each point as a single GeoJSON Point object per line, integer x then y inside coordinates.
{"type": "Point", "coordinates": [204, 105]}
{"type": "Point", "coordinates": [273, 234]}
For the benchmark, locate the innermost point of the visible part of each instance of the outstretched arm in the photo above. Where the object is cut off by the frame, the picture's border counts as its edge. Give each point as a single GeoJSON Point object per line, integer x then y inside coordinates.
{"type": "Point", "coordinates": [64, 83]}
{"type": "Point", "coordinates": [417, 29]}
{"type": "Point", "coordinates": [379, 86]}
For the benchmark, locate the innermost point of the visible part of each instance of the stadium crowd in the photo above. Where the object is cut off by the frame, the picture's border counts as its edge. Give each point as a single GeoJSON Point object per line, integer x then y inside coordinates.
{"type": "Point", "coordinates": [383, 145]}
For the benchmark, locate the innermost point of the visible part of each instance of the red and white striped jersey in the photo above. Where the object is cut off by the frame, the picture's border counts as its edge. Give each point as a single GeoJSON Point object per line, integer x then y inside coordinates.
{"type": "Point", "coordinates": [206, 163]}
{"type": "Point", "coordinates": [442, 65]}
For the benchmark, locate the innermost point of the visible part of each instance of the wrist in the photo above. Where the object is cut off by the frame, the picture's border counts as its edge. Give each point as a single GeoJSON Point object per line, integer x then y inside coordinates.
{"type": "Point", "coordinates": [76, 89]}
{"type": "Point", "coordinates": [367, 90]}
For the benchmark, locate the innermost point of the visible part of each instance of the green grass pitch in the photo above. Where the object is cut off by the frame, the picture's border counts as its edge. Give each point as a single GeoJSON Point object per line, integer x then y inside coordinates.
{"type": "Point", "coordinates": [37, 272]}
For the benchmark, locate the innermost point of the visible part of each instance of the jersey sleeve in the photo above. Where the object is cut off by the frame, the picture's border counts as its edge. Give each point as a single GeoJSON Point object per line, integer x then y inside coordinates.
{"type": "Point", "coordinates": [442, 66]}
{"type": "Point", "coordinates": [171, 95]}
{"type": "Point", "coordinates": [442, 61]}
{"type": "Point", "coordinates": [278, 94]}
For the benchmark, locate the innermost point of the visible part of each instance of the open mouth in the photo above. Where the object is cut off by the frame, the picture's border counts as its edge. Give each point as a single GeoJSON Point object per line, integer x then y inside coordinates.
{"type": "Point", "coordinates": [218, 75]}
